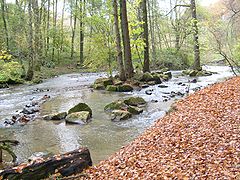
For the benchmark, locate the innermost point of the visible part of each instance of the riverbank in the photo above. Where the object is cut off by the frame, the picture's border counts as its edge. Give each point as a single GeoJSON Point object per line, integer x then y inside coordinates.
{"type": "Point", "coordinates": [200, 139]}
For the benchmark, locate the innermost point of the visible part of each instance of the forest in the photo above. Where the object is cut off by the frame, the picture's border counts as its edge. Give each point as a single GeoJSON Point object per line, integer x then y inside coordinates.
{"type": "Point", "coordinates": [38, 36]}
{"type": "Point", "coordinates": [108, 89]}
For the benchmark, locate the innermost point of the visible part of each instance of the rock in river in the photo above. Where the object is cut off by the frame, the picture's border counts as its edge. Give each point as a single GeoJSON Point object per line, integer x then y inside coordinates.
{"type": "Point", "coordinates": [78, 117]}
{"type": "Point", "coordinates": [135, 110]}
{"type": "Point", "coordinates": [135, 101]}
{"type": "Point", "coordinates": [81, 107]}
{"type": "Point", "coordinates": [119, 115]}
{"type": "Point", "coordinates": [55, 116]}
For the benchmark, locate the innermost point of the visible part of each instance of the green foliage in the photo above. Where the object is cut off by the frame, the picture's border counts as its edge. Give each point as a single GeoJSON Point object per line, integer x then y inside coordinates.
{"type": "Point", "coordinates": [11, 72]}
{"type": "Point", "coordinates": [4, 55]}
{"type": "Point", "coordinates": [174, 59]}
{"type": "Point", "coordinates": [236, 52]}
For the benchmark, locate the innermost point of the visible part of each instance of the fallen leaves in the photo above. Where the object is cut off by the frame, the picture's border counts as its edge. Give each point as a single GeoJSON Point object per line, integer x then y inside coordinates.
{"type": "Point", "coordinates": [201, 140]}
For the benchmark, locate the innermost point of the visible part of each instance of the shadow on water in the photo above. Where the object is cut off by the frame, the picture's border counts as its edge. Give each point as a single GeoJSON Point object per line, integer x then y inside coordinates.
{"type": "Point", "coordinates": [101, 136]}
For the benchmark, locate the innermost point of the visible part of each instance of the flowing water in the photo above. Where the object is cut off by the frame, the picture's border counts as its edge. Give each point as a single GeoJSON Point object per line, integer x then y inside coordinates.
{"type": "Point", "coordinates": [102, 136]}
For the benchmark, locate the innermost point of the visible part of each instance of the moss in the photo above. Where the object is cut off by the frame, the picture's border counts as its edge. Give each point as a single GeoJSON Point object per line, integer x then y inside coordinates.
{"type": "Point", "coordinates": [104, 81]}
{"type": "Point", "coordinates": [121, 115]}
{"type": "Point", "coordinates": [98, 87]}
{"type": "Point", "coordinates": [78, 117]}
{"type": "Point", "coordinates": [117, 105]}
{"type": "Point", "coordinates": [80, 107]}
{"type": "Point", "coordinates": [111, 88]}
{"type": "Point", "coordinates": [146, 77]}
{"type": "Point", "coordinates": [125, 88]}
{"type": "Point", "coordinates": [134, 101]}
{"type": "Point", "coordinates": [135, 110]}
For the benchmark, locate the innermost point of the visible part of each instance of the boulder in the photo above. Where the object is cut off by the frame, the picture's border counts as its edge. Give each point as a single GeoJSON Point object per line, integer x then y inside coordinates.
{"type": "Point", "coordinates": [125, 88]}
{"type": "Point", "coordinates": [118, 82]}
{"type": "Point", "coordinates": [163, 86]}
{"type": "Point", "coordinates": [111, 88]}
{"type": "Point", "coordinates": [144, 86]}
{"type": "Point", "coordinates": [169, 74]}
{"type": "Point", "coordinates": [146, 77]}
{"type": "Point", "coordinates": [104, 81]}
{"type": "Point", "coordinates": [157, 79]}
{"type": "Point", "coordinates": [117, 105]}
{"type": "Point", "coordinates": [81, 107]}
{"type": "Point", "coordinates": [151, 83]}
{"type": "Point", "coordinates": [134, 101]}
{"type": "Point", "coordinates": [164, 77]}
{"type": "Point", "coordinates": [119, 115]}
{"type": "Point", "coordinates": [55, 116]}
{"type": "Point", "coordinates": [98, 87]}
{"type": "Point", "coordinates": [193, 73]}
{"type": "Point", "coordinates": [78, 117]}
{"type": "Point", "coordinates": [135, 110]}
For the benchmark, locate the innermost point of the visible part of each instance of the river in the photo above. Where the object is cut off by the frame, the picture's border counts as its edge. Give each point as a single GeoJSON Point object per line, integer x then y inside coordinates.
{"type": "Point", "coordinates": [102, 136]}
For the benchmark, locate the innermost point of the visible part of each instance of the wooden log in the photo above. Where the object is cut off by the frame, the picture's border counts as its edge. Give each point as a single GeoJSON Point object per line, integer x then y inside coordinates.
{"type": "Point", "coordinates": [66, 164]}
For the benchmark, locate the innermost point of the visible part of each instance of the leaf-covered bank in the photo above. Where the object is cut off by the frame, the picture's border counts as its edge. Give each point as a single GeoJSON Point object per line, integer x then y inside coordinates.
{"type": "Point", "coordinates": [199, 140]}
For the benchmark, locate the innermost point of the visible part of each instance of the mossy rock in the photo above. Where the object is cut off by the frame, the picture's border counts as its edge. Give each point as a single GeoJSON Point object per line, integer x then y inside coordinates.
{"type": "Point", "coordinates": [151, 83]}
{"type": "Point", "coordinates": [125, 88]}
{"type": "Point", "coordinates": [104, 81]}
{"type": "Point", "coordinates": [134, 101]}
{"type": "Point", "coordinates": [98, 87]}
{"type": "Point", "coordinates": [116, 105]}
{"type": "Point", "coordinates": [164, 77]}
{"type": "Point", "coordinates": [112, 88]}
{"type": "Point", "coordinates": [78, 117]}
{"type": "Point", "coordinates": [169, 74]}
{"type": "Point", "coordinates": [157, 79]}
{"type": "Point", "coordinates": [55, 116]}
{"type": "Point", "coordinates": [204, 73]}
{"type": "Point", "coordinates": [119, 115]}
{"type": "Point", "coordinates": [193, 73]}
{"type": "Point", "coordinates": [146, 77]}
{"type": "Point", "coordinates": [118, 82]}
{"type": "Point", "coordinates": [80, 107]}
{"type": "Point", "coordinates": [135, 110]}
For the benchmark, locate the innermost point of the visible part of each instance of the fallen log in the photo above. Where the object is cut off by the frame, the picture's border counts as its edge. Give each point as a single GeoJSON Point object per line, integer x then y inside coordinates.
{"type": "Point", "coordinates": [66, 164]}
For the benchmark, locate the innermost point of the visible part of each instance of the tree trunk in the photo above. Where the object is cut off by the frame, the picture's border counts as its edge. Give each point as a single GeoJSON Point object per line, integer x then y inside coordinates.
{"type": "Point", "coordinates": [3, 8]}
{"type": "Point", "coordinates": [31, 54]}
{"type": "Point", "coordinates": [146, 67]}
{"type": "Point", "coordinates": [55, 5]}
{"type": "Point", "coordinates": [48, 26]}
{"type": "Point", "coordinates": [196, 65]}
{"type": "Point", "coordinates": [126, 40]}
{"type": "Point", "coordinates": [82, 14]}
{"type": "Point", "coordinates": [118, 42]}
{"type": "Point", "coordinates": [37, 33]}
{"type": "Point", "coordinates": [66, 164]}
{"type": "Point", "coordinates": [152, 29]}
{"type": "Point", "coordinates": [73, 28]}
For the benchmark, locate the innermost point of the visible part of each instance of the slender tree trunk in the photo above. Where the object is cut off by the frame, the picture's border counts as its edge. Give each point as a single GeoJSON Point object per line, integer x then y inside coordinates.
{"type": "Point", "coordinates": [146, 65]}
{"type": "Point", "coordinates": [62, 20]}
{"type": "Point", "coordinates": [74, 28]}
{"type": "Point", "coordinates": [48, 27]}
{"type": "Point", "coordinates": [196, 65]}
{"type": "Point", "coordinates": [126, 40]}
{"type": "Point", "coordinates": [118, 42]}
{"type": "Point", "coordinates": [30, 72]}
{"type": "Point", "coordinates": [152, 29]}
{"type": "Point", "coordinates": [55, 5]}
{"type": "Point", "coordinates": [3, 8]}
{"type": "Point", "coordinates": [82, 11]}
{"type": "Point", "coordinates": [37, 33]}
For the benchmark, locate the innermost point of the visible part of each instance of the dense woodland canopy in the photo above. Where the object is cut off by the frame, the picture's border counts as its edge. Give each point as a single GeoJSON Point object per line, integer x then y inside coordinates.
{"type": "Point", "coordinates": [128, 36]}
